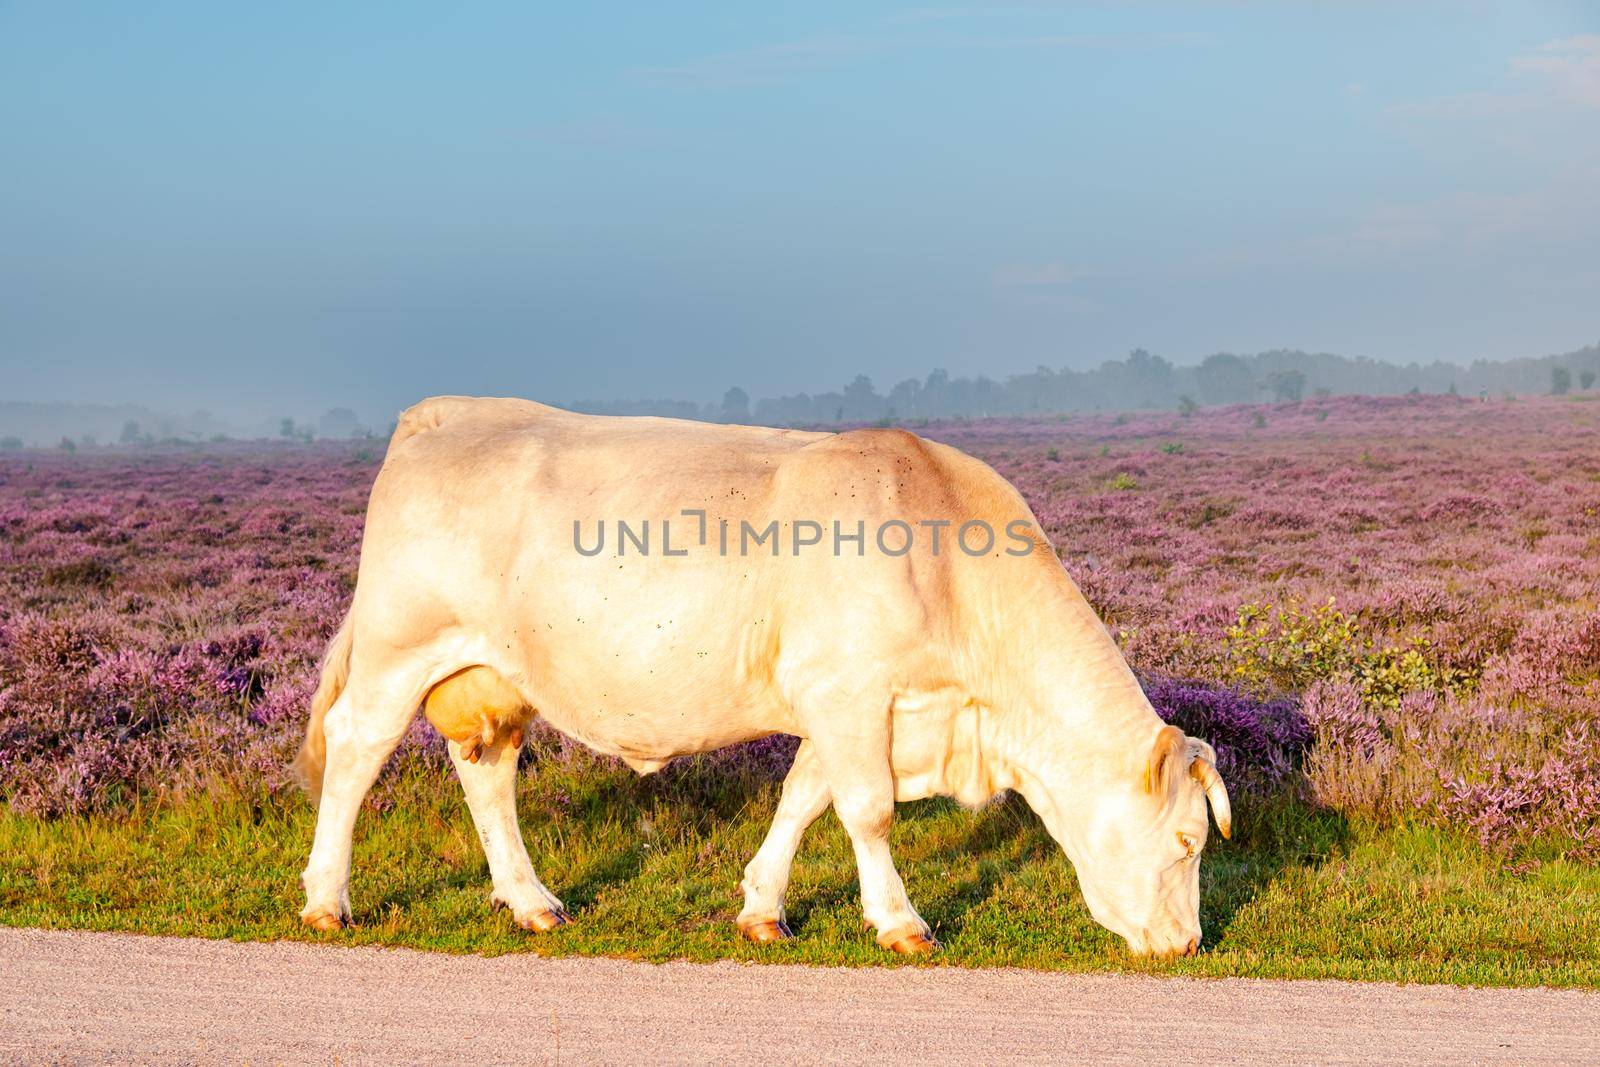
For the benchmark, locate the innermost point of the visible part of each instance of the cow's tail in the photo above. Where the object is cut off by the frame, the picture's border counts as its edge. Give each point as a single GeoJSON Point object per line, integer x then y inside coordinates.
{"type": "Point", "coordinates": [309, 764]}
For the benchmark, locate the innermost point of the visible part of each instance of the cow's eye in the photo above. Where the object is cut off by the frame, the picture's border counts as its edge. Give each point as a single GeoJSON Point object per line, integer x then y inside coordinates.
{"type": "Point", "coordinates": [1189, 844]}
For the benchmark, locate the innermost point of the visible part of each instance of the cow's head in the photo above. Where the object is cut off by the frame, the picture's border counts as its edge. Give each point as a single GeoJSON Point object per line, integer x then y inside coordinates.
{"type": "Point", "coordinates": [1138, 847]}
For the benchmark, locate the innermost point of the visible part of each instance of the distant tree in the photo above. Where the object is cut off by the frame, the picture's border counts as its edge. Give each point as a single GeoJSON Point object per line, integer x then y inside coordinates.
{"type": "Point", "coordinates": [1224, 378]}
{"type": "Point", "coordinates": [1186, 405]}
{"type": "Point", "coordinates": [1586, 380]}
{"type": "Point", "coordinates": [1452, 389]}
{"type": "Point", "coordinates": [10, 444]}
{"type": "Point", "coordinates": [286, 428]}
{"type": "Point", "coordinates": [907, 397]}
{"type": "Point", "coordinates": [936, 393]}
{"type": "Point", "coordinates": [1560, 381]}
{"type": "Point", "coordinates": [68, 445]}
{"type": "Point", "coordinates": [735, 406]}
{"type": "Point", "coordinates": [130, 433]}
{"type": "Point", "coordinates": [1287, 385]}
{"type": "Point", "coordinates": [1151, 378]}
{"type": "Point", "coordinates": [861, 400]}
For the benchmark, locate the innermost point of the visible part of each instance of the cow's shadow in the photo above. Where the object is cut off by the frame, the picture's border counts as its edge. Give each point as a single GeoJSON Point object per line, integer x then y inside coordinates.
{"type": "Point", "coordinates": [971, 858]}
{"type": "Point", "coordinates": [714, 790]}
{"type": "Point", "coordinates": [1272, 835]}
{"type": "Point", "coordinates": [970, 867]}
{"type": "Point", "coordinates": [1000, 838]}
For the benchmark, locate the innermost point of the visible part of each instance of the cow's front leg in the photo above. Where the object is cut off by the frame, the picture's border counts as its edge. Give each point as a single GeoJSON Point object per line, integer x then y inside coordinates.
{"type": "Point", "coordinates": [854, 755]}
{"type": "Point", "coordinates": [766, 877]}
{"type": "Point", "coordinates": [491, 788]}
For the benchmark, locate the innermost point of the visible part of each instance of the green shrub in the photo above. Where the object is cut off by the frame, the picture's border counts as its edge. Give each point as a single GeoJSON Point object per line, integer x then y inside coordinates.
{"type": "Point", "coordinates": [1287, 648]}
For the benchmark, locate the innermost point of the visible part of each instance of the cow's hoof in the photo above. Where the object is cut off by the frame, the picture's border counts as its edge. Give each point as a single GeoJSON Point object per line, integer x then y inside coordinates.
{"type": "Point", "coordinates": [918, 944]}
{"type": "Point", "coordinates": [326, 922]}
{"type": "Point", "coordinates": [764, 933]}
{"type": "Point", "coordinates": [545, 921]}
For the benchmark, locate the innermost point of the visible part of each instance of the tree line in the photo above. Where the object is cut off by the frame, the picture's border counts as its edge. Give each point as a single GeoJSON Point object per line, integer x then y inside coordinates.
{"type": "Point", "coordinates": [1140, 381]}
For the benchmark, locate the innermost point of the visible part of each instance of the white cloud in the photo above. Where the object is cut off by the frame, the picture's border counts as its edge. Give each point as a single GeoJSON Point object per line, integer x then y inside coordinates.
{"type": "Point", "coordinates": [1563, 73]}
{"type": "Point", "coordinates": [1474, 105]}
{"type": "Point", "coordinates": [1469, 225]}
{"type": "Point", "coordinates": [1571, 67]}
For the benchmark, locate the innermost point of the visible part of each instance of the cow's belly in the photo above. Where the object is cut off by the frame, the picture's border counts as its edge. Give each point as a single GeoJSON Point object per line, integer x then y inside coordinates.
{"type": "Point", "coordinates": [650, 668]}
{"type": "Point", "coordinates": [650, 723]}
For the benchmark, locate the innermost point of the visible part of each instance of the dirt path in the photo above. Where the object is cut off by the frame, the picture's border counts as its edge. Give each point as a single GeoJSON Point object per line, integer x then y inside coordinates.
{"type": "Point", "coordinates": [110, 997]}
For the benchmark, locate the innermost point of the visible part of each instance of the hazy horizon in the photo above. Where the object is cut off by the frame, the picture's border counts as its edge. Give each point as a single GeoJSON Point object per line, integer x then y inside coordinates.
{"type": "Point", "coordinates": [255, 211]}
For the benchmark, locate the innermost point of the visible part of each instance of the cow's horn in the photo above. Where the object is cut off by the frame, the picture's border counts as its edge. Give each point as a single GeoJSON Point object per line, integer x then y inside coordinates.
{"type": "Point", "coordinates": [1216, 792]}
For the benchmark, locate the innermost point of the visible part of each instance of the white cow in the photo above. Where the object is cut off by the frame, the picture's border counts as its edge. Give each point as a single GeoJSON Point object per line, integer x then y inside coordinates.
{"type": "Point", "coordinates": [908, 667]}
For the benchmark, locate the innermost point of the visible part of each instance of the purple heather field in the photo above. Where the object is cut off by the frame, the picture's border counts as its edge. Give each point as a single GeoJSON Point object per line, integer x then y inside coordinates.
{"type": "Point", "coordinates": [1387, 607]}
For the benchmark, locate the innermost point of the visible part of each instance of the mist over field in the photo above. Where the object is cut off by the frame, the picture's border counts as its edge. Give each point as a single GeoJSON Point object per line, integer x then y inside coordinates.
{"type": "Point", "coordinates": [1142, 381]}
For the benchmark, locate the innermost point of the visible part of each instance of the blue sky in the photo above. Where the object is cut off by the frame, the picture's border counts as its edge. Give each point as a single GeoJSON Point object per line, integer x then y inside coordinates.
{"type": "Point", "coordinates": [256, 208]}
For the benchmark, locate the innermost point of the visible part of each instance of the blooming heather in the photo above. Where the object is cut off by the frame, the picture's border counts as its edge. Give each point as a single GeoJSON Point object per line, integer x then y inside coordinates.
{"type": "Point", "coordinates": [1418, 577]}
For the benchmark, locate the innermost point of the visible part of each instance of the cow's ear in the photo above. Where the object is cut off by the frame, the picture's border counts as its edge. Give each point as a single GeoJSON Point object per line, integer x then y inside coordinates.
{"type": "Point", "coordinates": [1168, 757]}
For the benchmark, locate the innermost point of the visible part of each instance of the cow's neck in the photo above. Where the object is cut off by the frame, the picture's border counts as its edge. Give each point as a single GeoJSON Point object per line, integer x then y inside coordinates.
{"type": "Point", "coordinates": [1074, 719]}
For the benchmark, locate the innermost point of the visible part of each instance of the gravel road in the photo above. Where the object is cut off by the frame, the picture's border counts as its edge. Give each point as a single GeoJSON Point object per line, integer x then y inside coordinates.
{"type": "Point", "coordinates": [100, 998]}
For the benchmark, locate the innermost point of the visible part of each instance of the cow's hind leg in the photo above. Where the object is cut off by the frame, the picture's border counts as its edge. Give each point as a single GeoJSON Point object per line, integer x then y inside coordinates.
{"type": "Point", "coordinates": [853, 749]}
{"type": "Point", "coordinates": [490, 782]}
{"type": "Point", "coordinates": [362, 729]}
{"type": "Point", "coordinates": [766, 877]}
